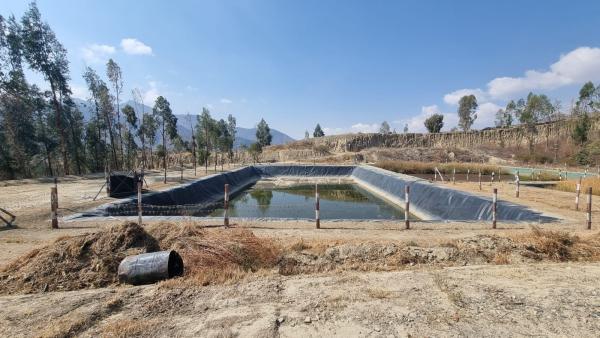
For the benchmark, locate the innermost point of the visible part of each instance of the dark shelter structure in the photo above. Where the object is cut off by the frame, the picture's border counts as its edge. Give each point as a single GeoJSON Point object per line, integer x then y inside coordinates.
{"type": "Point", "coordinates": [122, 184]}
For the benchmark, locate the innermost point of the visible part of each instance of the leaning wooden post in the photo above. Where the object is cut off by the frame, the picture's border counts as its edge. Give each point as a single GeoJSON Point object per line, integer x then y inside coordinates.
{"type": "Point", "coordinates": [589, 209]}
{"type": "Point", "coordinates": [577, 192]}
{"type": "Point", "coordinates": [54, 205]}
{"type": "Point", "coordinates": [494, 207]}
{"type": "Point", "coordinates": [406, 206]}
{"type": "Point", "coordinates": [518, 184]}
{"type": "Point", "coordinates": [317, 216]}
{"type": "Point", "coordinates": [479, 179]}
{"type": "Point", "coordinates": [226, 206]}
{"type": "Point", "coordinates": [139, 200]}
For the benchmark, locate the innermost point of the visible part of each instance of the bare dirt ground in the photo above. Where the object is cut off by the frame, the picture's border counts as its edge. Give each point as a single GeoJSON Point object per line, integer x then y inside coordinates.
{"type": "Point", "coordinates": [365, 279]}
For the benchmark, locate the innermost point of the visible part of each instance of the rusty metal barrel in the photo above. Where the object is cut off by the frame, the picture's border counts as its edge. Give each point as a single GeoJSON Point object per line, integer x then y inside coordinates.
{"type": "Point", "coordinates": [150, 267]}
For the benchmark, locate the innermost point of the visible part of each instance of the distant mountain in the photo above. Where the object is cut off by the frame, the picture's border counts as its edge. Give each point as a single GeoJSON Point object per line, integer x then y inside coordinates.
{"type": "Point", "coordinates": [244, 136]}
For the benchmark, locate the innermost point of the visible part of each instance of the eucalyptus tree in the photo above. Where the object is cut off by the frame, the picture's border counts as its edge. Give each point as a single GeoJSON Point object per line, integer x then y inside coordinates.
{"type": "Point", "coordinates": [113, 72]}
{"type": "Point", "coordinates": [168, 126]}
{"type": "Point", "coordinates": [434, 123]}
{"type": "Point", "coordinates": [232, 131]}
{"type": "Point", "coordinates": [318, 132]}
{"type": "Point", "coordinates": [385, 128]}
{"type": "Point", "coordinates": [132, 126]}
{"type": "Point", "coordinates": [263, 133]}
{"type": "Point", "coordinates": [147, 132]}
{"type": "Point", "coordinates": [16, 105]}
{"type": "Point", "coordinates": [205, 129]}
{"type": "Point", "coordinates": [467, 112]}
{"type": "Point", "coordinates": [45, 54]}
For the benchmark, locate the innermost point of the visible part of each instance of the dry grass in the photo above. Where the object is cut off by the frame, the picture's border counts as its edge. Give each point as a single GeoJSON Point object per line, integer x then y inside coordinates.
{"type": "Point", "coordinates": [72, 263]}
{"type": "Point", "coordinates": [411, 167]}
{"type": "Point", "coordinates": [379, 293]}
{"type": "Point", "coordinates": [129, 328]}
{"type": "Point", "coordinates": [571, 185]}
{"type": "Point", "coordinates": [216, 255]}
{"type": "Point", "coordinates": [561, 246]}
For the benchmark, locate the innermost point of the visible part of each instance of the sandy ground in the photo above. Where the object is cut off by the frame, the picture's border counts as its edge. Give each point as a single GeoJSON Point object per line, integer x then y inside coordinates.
{"type": "Point", "coordinates": [549, 299]}
{"type": "Point", "coordinates": [484, 301]}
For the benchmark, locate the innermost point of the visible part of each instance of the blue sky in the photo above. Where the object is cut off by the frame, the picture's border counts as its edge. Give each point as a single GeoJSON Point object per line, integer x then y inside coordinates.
{"type": "Point", "coordinates": [348, 65]}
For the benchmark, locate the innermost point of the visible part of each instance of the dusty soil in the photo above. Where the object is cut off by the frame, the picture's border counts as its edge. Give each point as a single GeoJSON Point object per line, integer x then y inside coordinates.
{"type": "Point", "coordinates": [346, 279]}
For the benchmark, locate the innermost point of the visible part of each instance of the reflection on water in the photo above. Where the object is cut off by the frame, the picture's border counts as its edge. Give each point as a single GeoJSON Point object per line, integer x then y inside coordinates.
{"type": "Point", "coordinates": [337, 201]}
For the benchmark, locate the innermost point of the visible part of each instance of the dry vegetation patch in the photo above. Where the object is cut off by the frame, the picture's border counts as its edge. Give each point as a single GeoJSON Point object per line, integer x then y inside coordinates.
{"type": "Point", "coordinates": [92, 260]}
{"type": "Point", "coordinates": [80, 262]}
{"type": "Point", "coordinates": [571, 185]}
{"type": "Point", "coordinates": [412, 167]}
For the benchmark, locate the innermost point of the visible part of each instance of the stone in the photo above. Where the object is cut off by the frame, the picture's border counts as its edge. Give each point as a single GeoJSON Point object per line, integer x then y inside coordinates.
{"type": "Point", "coordinates": [307, 320]}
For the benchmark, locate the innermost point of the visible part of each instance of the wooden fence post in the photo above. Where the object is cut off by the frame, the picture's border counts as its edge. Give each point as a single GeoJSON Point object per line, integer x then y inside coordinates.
{"type": "Point", "coordinates": [479, 179]}
{"type": "Point", "coordinates": [453, 175]}
{"type": "Point", "coordinates": [317, 216]}
{"type": "Point", "coordinates": [577, 192]}
{"type": "Point", "coordinates": [226, 206]}
{"type": "Point", "coordinates": [54, 205]}
{"type": "Point", "coordinates": [518, 184]}
{"type": "Point", "coordinates": [406, 206]}
{"type": "Point", "coordinates": [494, 207]}
{"type": "Point", "coordinates": [139, 200]}
{"type": "Point", "coordinates": [468, 172]}
{"type": "Point", "coordinates": [492, 180]}
{"type": "Point", "coordinates": [589, 209]}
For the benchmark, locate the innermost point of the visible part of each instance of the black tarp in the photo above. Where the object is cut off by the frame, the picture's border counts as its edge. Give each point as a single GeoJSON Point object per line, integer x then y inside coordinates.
{"type": "Point", "coordinates": [122, 184]}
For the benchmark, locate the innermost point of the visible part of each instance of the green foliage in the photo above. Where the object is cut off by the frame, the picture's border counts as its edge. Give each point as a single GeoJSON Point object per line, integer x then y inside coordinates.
{"type": "Point", "coordinates": [434, 123]}
{"type": "Point", "coordinates": [263, 134]}
{"type": "Point", "coordinates": [582, 128]}
{"type": "Point", "coordinates": [467, 108]}
{"type": "Point", "coordinates": [384, 128]}
{"type": "Point", "coordinates": [318, 132]}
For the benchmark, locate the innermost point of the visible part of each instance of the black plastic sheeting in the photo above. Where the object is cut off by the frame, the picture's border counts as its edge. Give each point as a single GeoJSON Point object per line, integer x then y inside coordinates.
{"type": "Point", "coordinates": [122, 184]}
{"type": "Point", "coordinates": [431, 202]}
{"type": "Point", "coordinates": [440, 203]}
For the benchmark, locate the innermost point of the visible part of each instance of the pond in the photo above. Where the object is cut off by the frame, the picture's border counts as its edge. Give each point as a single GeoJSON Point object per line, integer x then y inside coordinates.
{"type": "Point", "coordinates": [337, 201]}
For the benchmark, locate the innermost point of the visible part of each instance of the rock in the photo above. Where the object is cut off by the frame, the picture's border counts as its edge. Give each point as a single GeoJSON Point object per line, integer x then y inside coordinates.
{"type": "Point", "coordinates": [377, 328]}
{"type": "Point", "coordinates": [307, 320]}
{"type": "Point", "coordinates": [280, 320]}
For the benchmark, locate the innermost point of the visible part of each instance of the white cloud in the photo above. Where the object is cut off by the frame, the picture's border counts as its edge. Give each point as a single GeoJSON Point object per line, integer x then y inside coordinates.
{"type": "Point", "coordinates": [96, 53]}
{"type": "Point", "coordinates": [135, 47]}
{"type": "Point", "coordinates": [454, 97]}
{"type": "Point", "coordinates": [333, 131]}
{"type": "Point", "coordinates": [355, 128]}
{"type": "Point", "coordinates": [151, 93]}
{"type": "Point", "coordinates": [80, 92]}
{"type": "Point", "coordinates": [574, 68]}
{"type": "Point", "coordinates": [365, 128]}
{"type": "Point", "coordinates": [577, 66]}
{"type": "Point", "coordinates": [226, 101]}
{"type": "Point", "coordinates": [486, 114]}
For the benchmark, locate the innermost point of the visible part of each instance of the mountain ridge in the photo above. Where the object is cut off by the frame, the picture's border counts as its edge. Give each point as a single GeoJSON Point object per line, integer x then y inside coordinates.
{"type": "Point", "coordinates": [244, 136]}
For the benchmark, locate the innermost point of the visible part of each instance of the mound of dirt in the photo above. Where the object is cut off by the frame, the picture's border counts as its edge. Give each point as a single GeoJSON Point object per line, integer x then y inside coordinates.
{"type": "Point", "coordinates": [538, 245]}
{"type": "Point", "coordinates": [73, 263]}
{"type": "Point", "coordinates": [216, 249]}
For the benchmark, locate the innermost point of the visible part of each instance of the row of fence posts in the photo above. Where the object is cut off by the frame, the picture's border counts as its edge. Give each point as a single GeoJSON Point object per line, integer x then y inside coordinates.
{"type": "Point", "coordinates": [54, 202]}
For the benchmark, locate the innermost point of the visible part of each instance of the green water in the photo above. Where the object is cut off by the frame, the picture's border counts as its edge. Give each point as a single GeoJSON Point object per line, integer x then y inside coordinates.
{"type": "Point", "coordinates": [337, 201]}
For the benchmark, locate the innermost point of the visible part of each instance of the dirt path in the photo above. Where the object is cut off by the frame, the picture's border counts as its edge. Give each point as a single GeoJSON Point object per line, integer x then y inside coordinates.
{"type": "Point", "coordinates": [520, 300]}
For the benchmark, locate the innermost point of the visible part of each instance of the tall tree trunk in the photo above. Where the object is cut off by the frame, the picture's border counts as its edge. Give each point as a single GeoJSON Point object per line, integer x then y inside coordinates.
{"type": "Point", "coordinates": [112, 140]}
{"type": "Point", "coordinates": [119, 129]}
{"type": "Point", "coordinates": [59, 127]}
{"type": "Point", "coordinates": [164, 151]}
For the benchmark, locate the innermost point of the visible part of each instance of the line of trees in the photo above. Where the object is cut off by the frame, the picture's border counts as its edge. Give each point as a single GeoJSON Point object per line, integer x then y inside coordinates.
{"type": "Point", "coordinates": [43, 133]}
